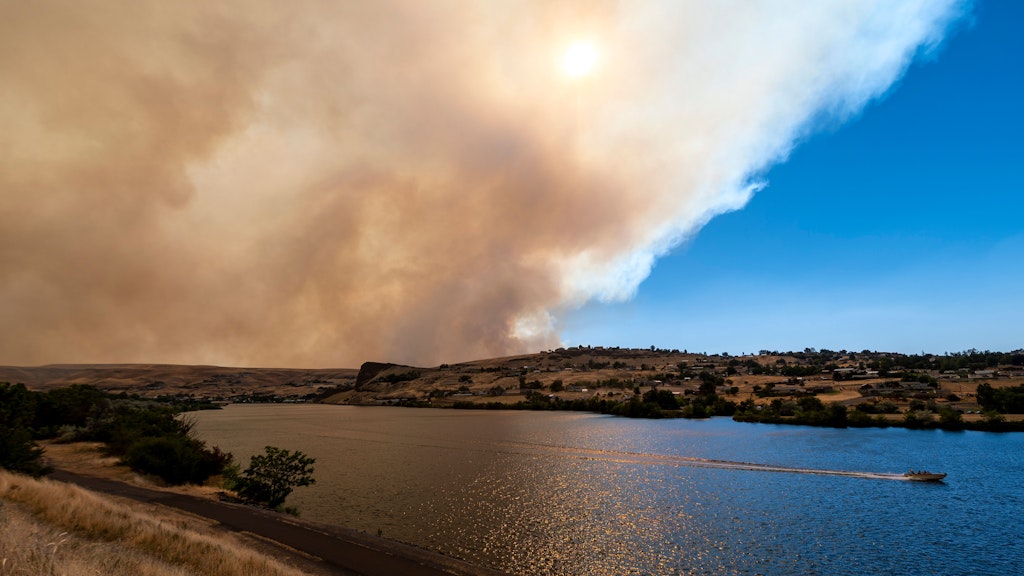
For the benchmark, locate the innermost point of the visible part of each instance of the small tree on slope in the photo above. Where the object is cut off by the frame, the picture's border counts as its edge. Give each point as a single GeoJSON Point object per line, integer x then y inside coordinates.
{"type": "Point", "coordinates": [272, 476]}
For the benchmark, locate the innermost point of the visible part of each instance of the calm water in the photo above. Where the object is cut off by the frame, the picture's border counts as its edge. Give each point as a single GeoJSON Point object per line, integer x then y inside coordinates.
{"type": "Point", "coordinates": [564, 493]}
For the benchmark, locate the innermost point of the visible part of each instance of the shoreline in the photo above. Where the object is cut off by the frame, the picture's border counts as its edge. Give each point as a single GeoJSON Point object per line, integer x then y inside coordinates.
{"type": "Point", "coordinates": [322, 549]}
{"type": "Point", "coordinates": [331, 549]}
{"type": "Point", "coordinates": [879, 421]}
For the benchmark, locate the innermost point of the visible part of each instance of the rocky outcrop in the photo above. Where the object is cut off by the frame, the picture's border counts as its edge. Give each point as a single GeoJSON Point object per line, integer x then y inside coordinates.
{"type": "Point", "coordinates": [370, 370]}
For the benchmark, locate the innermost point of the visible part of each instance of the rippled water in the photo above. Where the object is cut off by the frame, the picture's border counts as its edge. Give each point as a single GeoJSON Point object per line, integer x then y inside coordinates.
{"type": "Point", "coordinates": [564, 493]}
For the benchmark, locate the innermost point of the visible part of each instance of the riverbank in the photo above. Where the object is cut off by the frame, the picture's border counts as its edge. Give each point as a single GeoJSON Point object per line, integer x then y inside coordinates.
{"type": "Point", "coordinates": [114, 496]}
{"type": "Point", "coordinates": [53, 527]}
{"type": "Point", "coordinates": [802, 411]}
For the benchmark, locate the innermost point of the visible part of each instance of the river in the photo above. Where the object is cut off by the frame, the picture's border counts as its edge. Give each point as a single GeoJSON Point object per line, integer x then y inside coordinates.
{"type": "Point", "coordinates": [567, 493]}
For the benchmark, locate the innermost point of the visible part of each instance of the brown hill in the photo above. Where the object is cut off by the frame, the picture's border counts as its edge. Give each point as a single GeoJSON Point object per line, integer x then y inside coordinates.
{"type": "Point", "coordinates": [208, 382]}
{"type": "Point", "coordinates": [578, 372]}
{"type": "Point", "coordinates": [507, 378]}
{"type": "Point", "coordinates": [615, 373]}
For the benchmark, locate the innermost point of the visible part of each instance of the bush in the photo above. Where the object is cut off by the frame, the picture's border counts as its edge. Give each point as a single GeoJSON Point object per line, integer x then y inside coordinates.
{"type": "Point", "coordinates": [915, 419]}
{"type": "Point", "coordinates": [888, 408]}
{"type": "Point", "coordinates": [128, 423]}
{"type": "Point", "coordinates": [176, 459]}
{"type": "Point", "coordinates": [858, 418]}
{"type": "Point", "coordinates": [993, 417]}
{"type": "Point", "coordinates": [950, 418]}
{"type": "Point", "coordinates": [154, 440]}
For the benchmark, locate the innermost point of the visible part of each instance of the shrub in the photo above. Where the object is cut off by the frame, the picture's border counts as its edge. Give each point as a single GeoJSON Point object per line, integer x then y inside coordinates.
{"type": "Point", "coordinates": [858, 418]}
{"type": "Point", "coordinates": [950, 418]}
{"type": "Point", "coordinates": [993, 417]}
{"type": "Point", "coordinates": [176, 459]}
{"type": "Point", "coordinates": [888, 408]}
{"type": "Point", "coordinates": [915, 419]}
{"type": "Point", "coordinates": [128, 423]}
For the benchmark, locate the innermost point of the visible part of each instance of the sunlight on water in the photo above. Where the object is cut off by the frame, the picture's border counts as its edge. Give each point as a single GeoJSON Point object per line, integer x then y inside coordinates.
{"type": "Point", "coordinates": [549, 493]}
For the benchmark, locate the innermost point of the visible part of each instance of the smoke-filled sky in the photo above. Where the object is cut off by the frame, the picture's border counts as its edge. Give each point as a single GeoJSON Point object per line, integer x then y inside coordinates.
{"type": "Point", "coordinates": [320, 183]}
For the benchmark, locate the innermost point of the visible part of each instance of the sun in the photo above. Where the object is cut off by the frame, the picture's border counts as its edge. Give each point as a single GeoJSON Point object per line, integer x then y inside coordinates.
{"type": "Point", "coordinates": [579, 59]}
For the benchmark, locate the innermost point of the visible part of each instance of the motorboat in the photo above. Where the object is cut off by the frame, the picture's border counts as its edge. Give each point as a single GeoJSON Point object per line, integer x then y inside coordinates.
{"type": "Point", "coordinates": [924, 476]}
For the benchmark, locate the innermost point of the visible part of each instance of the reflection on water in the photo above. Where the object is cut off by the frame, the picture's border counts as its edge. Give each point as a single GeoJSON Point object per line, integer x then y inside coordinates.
{"type": "Point", "coordinates": [556, 493]}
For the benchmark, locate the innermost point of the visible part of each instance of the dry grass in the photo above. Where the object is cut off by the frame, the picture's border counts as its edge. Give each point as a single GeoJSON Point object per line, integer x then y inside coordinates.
{"type": "Point", "coordinates": [53, 528]}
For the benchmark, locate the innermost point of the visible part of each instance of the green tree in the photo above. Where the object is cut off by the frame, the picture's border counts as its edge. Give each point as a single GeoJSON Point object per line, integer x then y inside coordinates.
{"type": "Point", "coordinates": [77, 406]}
{"type": "Point", "coordinates": [986, 396]}
{"type": "Point", "coordinates": [663, 398]}
{"type": "Point", "coordinates": [709, 383]}
{"type": "Point", "coordinates": [810, 404]}
{"type": "Point", "coordinates": [18, 451]}
{"type": "Point", "coordinates": [1005, 400]}
{"type": "Point", "coordinates": [272, 476]}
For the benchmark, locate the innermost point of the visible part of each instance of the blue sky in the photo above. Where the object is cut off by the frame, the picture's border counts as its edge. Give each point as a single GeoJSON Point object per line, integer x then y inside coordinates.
{"type": "Point", "coordinates": [901, 230]}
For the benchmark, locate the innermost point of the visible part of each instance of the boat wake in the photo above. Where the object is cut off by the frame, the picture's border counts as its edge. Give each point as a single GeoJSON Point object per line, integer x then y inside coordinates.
{"type": "Point", "coordinates": [793, 470]}
{"type": "Point", "coordinates": [616, 456]}
{"type": "Point", "coordinates": [671, 460]}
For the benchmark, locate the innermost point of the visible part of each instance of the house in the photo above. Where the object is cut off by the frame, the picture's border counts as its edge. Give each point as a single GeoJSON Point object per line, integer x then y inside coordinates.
{"type": "Point", "coordinates": [983, 374]}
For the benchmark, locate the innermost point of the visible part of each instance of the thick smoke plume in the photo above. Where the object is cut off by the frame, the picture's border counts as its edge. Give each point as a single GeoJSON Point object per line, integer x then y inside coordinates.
{"type": "Point", "coordinates": [323, 183]}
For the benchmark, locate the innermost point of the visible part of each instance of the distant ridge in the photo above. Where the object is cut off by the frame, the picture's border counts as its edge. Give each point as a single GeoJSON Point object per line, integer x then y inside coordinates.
{"type": "Point", "coordinates": [170, 379]}
{"type": "Point", "coordinates": [580, 370]}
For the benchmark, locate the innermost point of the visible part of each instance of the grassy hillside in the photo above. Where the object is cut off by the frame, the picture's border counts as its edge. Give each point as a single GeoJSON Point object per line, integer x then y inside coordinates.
{"type": "Point", "coordinates": [585, 372]}
{"type": "Point", "coordinates": [54, 528]}
{"type": "Point", "coordinates": [168, 380]}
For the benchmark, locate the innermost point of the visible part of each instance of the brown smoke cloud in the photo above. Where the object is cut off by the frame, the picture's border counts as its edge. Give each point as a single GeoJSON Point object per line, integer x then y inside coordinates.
{"type": "Point", "coordinates": [323, 183]}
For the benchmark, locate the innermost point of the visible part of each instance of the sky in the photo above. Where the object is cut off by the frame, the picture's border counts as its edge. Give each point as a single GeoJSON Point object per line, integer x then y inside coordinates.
{"type": "Point", "coordinates": [327, 183]}
{"type": "Point", "coordinates": [900, 230]}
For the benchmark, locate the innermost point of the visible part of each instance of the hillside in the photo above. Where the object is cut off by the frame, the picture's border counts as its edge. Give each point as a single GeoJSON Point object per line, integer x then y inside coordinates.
{"type": "Point", "coordinates": [615, 373]}
{"type": "Point", "coordinates": [570, 373]}
{"type": "Point", "coordinates": [200, 382]}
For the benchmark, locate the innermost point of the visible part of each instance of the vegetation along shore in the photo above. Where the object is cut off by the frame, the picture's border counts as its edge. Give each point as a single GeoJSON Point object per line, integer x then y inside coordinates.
{"type": "Point", "coordinates": [970, 390]}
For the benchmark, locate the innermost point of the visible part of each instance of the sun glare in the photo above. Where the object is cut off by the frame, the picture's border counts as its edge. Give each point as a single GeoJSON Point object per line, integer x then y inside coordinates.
{"type": "Point", "coordinates": [579, 60]}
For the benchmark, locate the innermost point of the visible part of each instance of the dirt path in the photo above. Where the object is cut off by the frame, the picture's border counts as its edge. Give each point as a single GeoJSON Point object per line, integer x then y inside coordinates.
{"type": "Point", "coordinates": [334, 550]}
